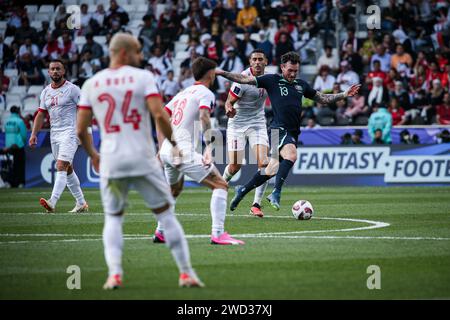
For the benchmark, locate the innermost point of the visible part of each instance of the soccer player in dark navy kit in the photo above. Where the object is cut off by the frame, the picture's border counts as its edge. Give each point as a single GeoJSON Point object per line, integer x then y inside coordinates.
{"type": "Point", "coordinates": [285, 92]}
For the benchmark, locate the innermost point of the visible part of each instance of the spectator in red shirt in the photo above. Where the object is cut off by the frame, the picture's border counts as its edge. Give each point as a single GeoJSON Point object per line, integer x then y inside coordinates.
{"type": "Point", "coordinates": [443, 111]}
{"type": "Point", "coordinates": [434, 73]}
{"type": "Point", "coordinates": [376, 73]}
{"type": "Point", "coordinates": [396, 111]}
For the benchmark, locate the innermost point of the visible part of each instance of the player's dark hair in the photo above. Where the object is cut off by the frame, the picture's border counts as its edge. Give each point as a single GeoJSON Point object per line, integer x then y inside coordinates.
{"type": "Point", "coordinates": [201, 66]}
{"type": "Point", "coordinates": [258, 51]}
{"type": "Point", "coordinates": [58, 60]}
{"type": "Point", "coordinates": [292, 57]}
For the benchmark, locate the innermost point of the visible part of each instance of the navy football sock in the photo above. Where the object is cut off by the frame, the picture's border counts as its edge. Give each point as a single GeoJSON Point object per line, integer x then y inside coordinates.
{"type": "Point", "coordinates": [283, 171]}
{"type": "Point", "coordinates": [257, 180]}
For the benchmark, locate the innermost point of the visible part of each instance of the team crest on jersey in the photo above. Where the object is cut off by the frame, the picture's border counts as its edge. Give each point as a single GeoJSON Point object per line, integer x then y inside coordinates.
{"type": "Point", "coordinates": [236, 90]}
{"type": "Point", "coordinates": [299, 88]}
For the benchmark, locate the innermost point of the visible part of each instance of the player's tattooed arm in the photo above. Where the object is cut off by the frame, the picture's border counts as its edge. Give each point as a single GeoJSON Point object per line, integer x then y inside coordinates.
{"type": "Point", "coordinates": [237, 77]}
{"type": "Point", "coordinates": [330, 98]}
{"type": "Point", "coordinates": [230, 111]}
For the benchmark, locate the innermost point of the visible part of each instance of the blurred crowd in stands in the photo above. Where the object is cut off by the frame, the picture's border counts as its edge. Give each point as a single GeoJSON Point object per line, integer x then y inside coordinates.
{"type": "Point", "coordinates": [403, 66]}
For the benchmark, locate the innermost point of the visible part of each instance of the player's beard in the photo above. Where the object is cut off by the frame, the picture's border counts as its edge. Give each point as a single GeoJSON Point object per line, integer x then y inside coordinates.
{"type": "Point", "coordinates": [56, 79]}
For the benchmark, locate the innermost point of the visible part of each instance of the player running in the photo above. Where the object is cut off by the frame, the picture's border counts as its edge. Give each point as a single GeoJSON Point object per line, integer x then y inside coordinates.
{"type": "Point", "coordinates": [60, 99]}
{"type": "Point", "coordinates": [122, 98]}
{"type": "Point", "coordinates": [245, 109]}
{"type": "Point", "coordinates": [189, 110]}
{"type": "Point", "coordinates": [285, 93]}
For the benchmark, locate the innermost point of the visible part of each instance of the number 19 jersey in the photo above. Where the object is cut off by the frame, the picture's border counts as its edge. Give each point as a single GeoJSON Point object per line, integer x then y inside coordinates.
{"type": "Point", "coordinates": [117, 98]}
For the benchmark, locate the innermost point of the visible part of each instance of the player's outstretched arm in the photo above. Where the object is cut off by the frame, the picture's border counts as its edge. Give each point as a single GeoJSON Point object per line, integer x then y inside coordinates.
{"type": "Point", "coordinates": [205, 120]}
{"type": "Point", "coordinates": [84, 120]}
{"type": "Point", "coordinates": [38, 122]}
{"type": "Point", "coordinates": [237, 77]}
{"type": "Point", "coordinates": [330, 98]}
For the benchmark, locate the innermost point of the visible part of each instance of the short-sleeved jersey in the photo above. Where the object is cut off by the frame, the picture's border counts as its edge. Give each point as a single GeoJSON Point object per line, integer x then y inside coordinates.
{"type": "Point", "coordinates": [184, 110]}
{"type": "Point", "coordinates": [117, 98]}
{"type": "Point", "coordinates": [61, 104]}
{"type": "Point", "coordinates": [286, 99]}
{"type": "Point", "coordinates": [249, 107]}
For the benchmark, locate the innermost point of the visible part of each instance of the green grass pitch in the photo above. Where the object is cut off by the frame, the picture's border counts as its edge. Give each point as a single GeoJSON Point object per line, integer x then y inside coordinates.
{"type": "Point", "coordinates": [403, 230]}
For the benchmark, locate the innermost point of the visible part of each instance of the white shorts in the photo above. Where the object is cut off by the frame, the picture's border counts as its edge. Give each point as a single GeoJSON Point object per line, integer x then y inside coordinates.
{"type": "Point", "coordinates": [64, 147]}
{"type": "Point", "coordinates": [152, 187]}
{"type": "Point", "coordinates": [236, 139]}
{"type": "Point", "coordinates": [192, 166]}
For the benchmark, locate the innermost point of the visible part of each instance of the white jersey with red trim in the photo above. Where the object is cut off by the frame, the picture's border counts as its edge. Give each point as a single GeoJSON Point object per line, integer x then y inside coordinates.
{"type": "Point", "coordinates": [184, 110]}
{"type": "Point", "coordinates": [61, 104]}
{"type": "Point", "coordinates": [117, 98]}
{"type": "Point", "coordinates": [249, 107]}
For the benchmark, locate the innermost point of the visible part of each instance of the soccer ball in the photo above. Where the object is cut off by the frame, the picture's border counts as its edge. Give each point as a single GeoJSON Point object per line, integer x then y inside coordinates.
{"type": "Point", "coordinates": [302, 210]}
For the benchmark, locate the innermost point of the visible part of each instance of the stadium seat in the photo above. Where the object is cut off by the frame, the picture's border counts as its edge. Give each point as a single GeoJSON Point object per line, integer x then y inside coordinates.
{"type": "Point", "coordinates": [361, 34]}
{"type": "Point", "coordinates": [141, 8]}
{"type": "Point", "coordinates": [72, 2]}
{"type": "Point", "coordinates": [8, 40]}
{"type": "Point", "coordinates": [325, 121]}
{"type": "Point", "coordinates": [14, 102]}
{"type": "Point", "coordinates": [129, 8]}
{"type": "Point", "coordinates": [100, 39]}
{"type": "Point", "coordinates": [3, 25]}
{"type": "Point", "coordinates": [139, 2]}
{"type": "Point", "coordinates": [184, 38]}
{"type": "Point", "coordinates": [31, 8]}
{"type": "Point", "coordinates": [47, 8]}
{"type": "Point", "coordinates": [159, 9]}
{"type": "Point", "coordinates": [181, 55]}
{"type": "Point", "coordinates": [3, 116]}
{"type": "Point", "coordinates": [135, 24]}
{"type": "Point", "coordinates": [255, 37]}
{"type": "Point", "coordinates": [361, 120]}
{"type": "Point", "coordinates": [272, 69]}
{"type": "Point", "coordinates": [122, 3]}
{"type": "Point", "coordinates": [30, 105]}
{"type": "Point", "coordinates": [18, 90]}
{"type": "Point", "coordinates": [35, 90]}
{"type": "Point", "coordinates": [80, 40]}
{"type": "Point", "coordinates": [342, 121]}
{"type": "Point", "coordinates": [11, 73]}
{"type": "Point", "coordinates": [180, 46]}
{"type": "Point", "coordinates": [90, 3]}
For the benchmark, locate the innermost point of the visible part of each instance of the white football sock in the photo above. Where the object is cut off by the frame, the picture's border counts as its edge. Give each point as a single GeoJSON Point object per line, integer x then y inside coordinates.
{"type": "Point", "coordinates": [227, 175]}
{"type": "Point", "coordinates": [113, 243]}
{"type": "Point", "coordinates": [73, 183]}
{"type": "Point", "coordinates": [58, 187]}
{"type": "Point", "coordinates": [159, 227]}
{"type": "Point", "coordinates": [175, 240]}
{"type": "Point", "coordinates": [218, 207]}
{"type": "Point", "coordinates": [259, 192]}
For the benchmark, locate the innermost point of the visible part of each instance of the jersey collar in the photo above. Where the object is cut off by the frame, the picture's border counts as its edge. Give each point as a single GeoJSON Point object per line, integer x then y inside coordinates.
{"type": "Point", "coordinates": [59, 85]}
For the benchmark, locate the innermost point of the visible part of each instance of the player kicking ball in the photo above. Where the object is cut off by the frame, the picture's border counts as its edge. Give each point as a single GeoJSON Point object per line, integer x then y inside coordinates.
{"type": "Point", "coordinates": [285, 92]}
{"type": "Point", "coordinates": [245, 109]}
{"type": "Point", "coordinates": [122, 98]}
{"type": "Point", "coordinates": [190, 112]}
{"type": "Point", "coordinates": [60, 100]}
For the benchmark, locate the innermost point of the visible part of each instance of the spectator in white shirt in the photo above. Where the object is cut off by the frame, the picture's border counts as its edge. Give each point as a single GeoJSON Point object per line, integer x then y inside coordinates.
{"type": "Point", "coordinates": [85, 18]}
{"type": "Point", "coordinates": [385, 59]}
{"type": "Point", "coordinates": [31, 48]}
{"type": "Point", "coordinates": [169, 87]}
{"type": "Point", "coordinates": [347, 77]}
{"type": "Point", "coordinates": [327, 58]}
{"type": "Point", "coordinates": [324, 81]}
{"type": "Point", "coordinates": [160, 63]}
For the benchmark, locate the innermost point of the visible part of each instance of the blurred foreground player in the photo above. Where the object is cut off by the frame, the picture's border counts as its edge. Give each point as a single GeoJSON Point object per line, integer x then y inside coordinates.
{"type": "Point", "coordinates": [122, 98]}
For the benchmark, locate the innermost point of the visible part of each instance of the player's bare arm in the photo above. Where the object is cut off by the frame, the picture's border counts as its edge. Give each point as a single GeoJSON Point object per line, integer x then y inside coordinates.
{"type": "Point", "coordinates": [84, 120]}
{"type": "Point", "coordinates": [230, 111]}
{"type": "Point", "coordinates": [162, 121]}
{"type": "Point", "coordinates": [205, 120]}
{"type": "Point", "coordinates": [38, 122]}
{"type": "Point", "coordinates": [330, 98]}
{"type": "Point", "coordinates": [237, 77]}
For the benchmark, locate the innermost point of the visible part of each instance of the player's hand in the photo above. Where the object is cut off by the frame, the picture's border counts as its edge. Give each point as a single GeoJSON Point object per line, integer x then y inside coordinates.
{"type": "Point", "coordinates": [177, 156]}
{"type": "Point", "coordinates": [353, 90]}
{"type": "Point", "coordinates": [95, 159]}
{"type": "Point", "coordinates": [33, 141]}
{"type": "Point", "coordinates": [230, 111]}
{"type": "Point", "coordinates": [207, 156]}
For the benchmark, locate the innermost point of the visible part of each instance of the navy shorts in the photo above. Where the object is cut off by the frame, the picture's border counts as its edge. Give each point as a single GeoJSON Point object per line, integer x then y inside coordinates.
{"type": "Point", "coordinates": [285, 137]}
